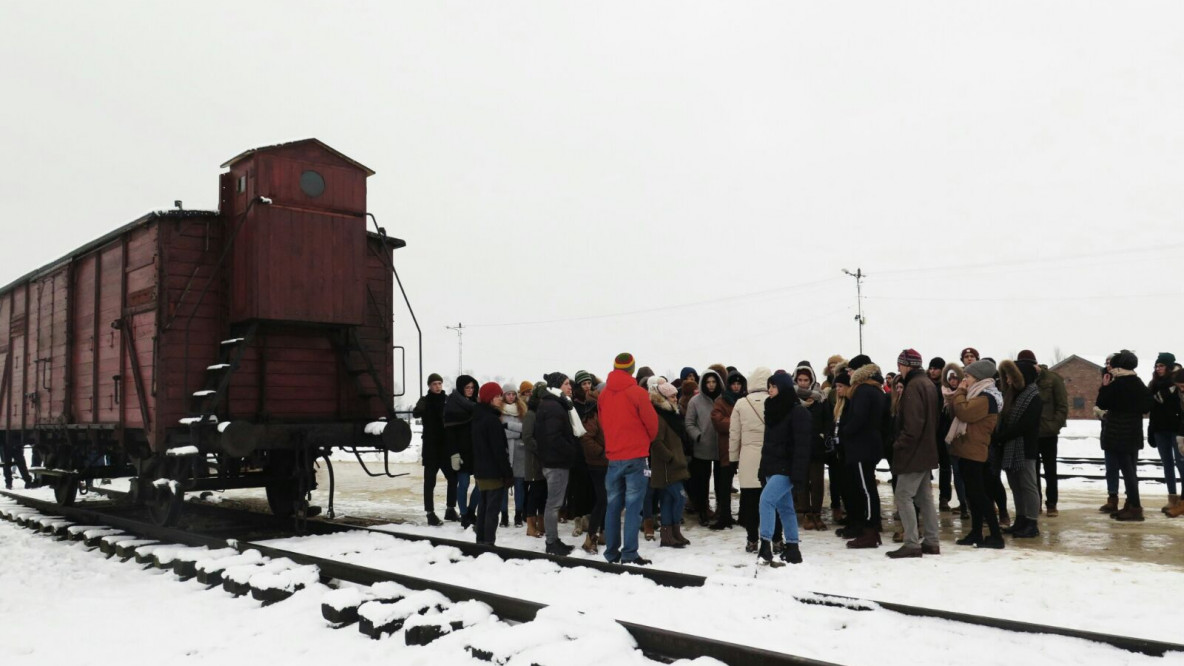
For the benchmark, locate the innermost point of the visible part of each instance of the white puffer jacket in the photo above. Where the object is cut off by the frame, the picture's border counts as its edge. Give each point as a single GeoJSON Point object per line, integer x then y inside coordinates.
{"type": "Point", "coordinates": [746, 434]}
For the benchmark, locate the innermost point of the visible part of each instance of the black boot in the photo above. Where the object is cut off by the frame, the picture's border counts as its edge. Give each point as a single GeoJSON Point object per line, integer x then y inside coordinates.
{"type": "Point", "coordinates": [450, 514]}
{"type": "Point", "coordinates": [517, 519]}
{"type": "Point", "coordinates": [558, 548]}
{"type": "Point", "coordinates": [434, 520]}
{"type": "Point", "coordinates": [505, 520]}
{"type": "Point", "coordinates": [765, 555]}
{"type": "Point", "coordinates": [791, 554]}
{"type": "Point", "coordinates": [1029, 530]}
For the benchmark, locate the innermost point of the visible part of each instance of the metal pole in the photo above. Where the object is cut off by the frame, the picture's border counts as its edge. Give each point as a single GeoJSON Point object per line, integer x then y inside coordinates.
{"type": "Point", "coordinates": [858, 275]}
{"type": "Point", "coordinates": [460, 347]}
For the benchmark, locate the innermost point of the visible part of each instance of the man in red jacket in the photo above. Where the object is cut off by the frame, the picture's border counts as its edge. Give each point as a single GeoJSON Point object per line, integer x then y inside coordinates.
{"type": "Point", "coordinates": [629, 424]}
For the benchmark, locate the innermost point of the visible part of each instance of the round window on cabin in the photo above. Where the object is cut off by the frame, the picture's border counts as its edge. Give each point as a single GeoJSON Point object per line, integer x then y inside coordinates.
{"type": "Point", "coordinates": [312, 184]}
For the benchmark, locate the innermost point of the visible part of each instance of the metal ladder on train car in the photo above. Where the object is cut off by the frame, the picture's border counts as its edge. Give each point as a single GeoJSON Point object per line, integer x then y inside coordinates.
{"type": "Point", "coordinates": [348, 347]}
{"type": "Point", "coordinates": [204, 404]}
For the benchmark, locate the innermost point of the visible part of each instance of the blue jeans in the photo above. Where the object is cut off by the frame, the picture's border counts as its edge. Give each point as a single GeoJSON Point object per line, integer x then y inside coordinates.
{"type": "Point", "coordinates": [1111, 472]}
{"type": "Point", "coordinates": [625, 484]}
{"type": "Point", "coordinates": [777, 498]}
{"type": "Point", "coordinates": [672, 503]}
{"type": "Point", "coordinates": [469, 507]}
{"type": "Point", "coordinates": [1165, 441]}
{"type": "Point", "coordinates": [959, 484]}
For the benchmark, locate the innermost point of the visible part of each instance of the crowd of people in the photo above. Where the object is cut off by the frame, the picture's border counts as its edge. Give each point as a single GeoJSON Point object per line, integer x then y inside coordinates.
{"type": "Point", "coordinates": [638, 454]}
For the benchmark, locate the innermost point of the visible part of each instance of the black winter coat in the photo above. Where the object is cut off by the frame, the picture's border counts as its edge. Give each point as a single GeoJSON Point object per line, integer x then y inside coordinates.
{"type": "Point", "coordinates": [1165, 405]}
{"type": "Point", "coordinates": [491, 456]}
{"type": "Point", "coordinates": [789, 439]}
{"type": "Point", "coordinates": [430, 411]}
{"type": "Point", "coordinates": [861, 432]}
{"type": "Point", "coordinates": [1125, 400]}
{"type": "Point", "coordinates": [458, 431]}
{"type": "Point", "coordinates": [557, 444]}
{"type": "Point", "coordinates": [822, 416]}
{"type": "Point", "coordinates": [1027, 426]}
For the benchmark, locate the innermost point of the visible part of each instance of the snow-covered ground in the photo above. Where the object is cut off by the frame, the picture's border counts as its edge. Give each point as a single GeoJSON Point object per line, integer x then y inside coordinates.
{"type": "Point", "coordinates": [1069, 578]}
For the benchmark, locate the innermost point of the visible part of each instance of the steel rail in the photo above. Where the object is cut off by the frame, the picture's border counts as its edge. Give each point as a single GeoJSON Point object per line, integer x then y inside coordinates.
{"type": "Point", "coordinates": [656, 643]}
{"type": "Point", "coordinates": [652, 637]}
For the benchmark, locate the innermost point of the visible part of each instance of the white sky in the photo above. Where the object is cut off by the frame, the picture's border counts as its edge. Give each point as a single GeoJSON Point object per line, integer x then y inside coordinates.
{"type": "Point", "coordinates": [672, 173]}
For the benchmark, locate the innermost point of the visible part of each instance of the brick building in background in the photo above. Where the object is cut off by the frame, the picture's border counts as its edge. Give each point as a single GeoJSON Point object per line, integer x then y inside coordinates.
{"type": "Point", "coordinates": [1082, 378]}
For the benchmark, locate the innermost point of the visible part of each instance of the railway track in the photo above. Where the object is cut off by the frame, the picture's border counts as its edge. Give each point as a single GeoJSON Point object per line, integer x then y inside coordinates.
{"type": "Point", "coordinates": [655, 643]}
{"type": "Point", "coordinates": [109, 525]}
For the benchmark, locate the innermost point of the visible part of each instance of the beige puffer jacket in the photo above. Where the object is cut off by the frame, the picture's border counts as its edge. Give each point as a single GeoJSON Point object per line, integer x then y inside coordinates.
{"type": "Point", "coordinates": [746, 434]}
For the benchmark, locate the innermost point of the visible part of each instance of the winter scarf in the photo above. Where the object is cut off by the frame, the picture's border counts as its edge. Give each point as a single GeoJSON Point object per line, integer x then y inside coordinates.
{"type": "Point", "coordinates": [958, 427]}
{"type": "Point", "coordinates": [577, 427]}
{"type": "Point", "coordinates": [1013, 449]}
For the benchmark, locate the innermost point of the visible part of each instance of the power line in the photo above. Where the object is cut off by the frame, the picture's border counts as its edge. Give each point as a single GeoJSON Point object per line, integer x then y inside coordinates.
{"type": "Point", "coordinates": [664, 308]}
{"type": "Point", "coordinates": [1041, 299]}
{"type": "Point", "coordinates": [1034, 260]}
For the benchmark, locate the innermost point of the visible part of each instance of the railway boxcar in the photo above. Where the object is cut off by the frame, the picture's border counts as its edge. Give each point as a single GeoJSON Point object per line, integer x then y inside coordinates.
{"type": "Point", "coordinates": [207, 350]}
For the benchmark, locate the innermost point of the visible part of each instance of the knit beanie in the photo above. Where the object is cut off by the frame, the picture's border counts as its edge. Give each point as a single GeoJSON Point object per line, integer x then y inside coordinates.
{"type": "Point", "coordinates": [488, 392]}
{"type": "Point", "coordinates": [555, 379]}
{"type": "Point", "coordinates": [969, 350]}
{"type": "Point", "coordinates": [434, 378]}
{"type": "Point", "coordinates": [524, 387]}
{"type": "Point", "coordinates": [509, 387]}
{"type": "Point", "coordinates": [624, 361]}
{"type": "Point", "coordinates": [666, 389]}
{"type": "Point", "coordinates": [1026, 355]}
{"type": "Point", "coordinates": [859, 361]}
{"type": "Point", "coordinates": [937, 363]}
{"type": "Point", "coordinates": [1166, 358]}
{"type": "Point", "coordinates": [687, 372]}
{"type": "Point", "coordinates": [583, 376]}
{"type": "Point", "coordinates": [1125, 359]}
{"type": "Point", "coordinates": [910, 358]}
{"type": "Point", "coordinates": [980, 369]}
{"type": "Point", "coordinates": [843, 378]}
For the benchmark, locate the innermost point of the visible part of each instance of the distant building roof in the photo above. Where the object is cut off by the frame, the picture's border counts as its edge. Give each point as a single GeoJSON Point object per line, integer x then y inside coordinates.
{"type": "Point", "coordinates": [1087, 359]}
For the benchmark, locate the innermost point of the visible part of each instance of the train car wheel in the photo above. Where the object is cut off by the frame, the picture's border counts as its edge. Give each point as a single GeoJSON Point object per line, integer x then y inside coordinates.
{"type": "Point", "coordinates": [164, 505]}
{"type": "Point", "coordinates": [282, 497]}
{"type": "Point", "coordinates": [65, 490]}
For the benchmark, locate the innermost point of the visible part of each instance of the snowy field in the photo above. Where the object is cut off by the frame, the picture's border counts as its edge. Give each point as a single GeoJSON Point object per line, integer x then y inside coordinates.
{"type": "Point", "coordinates": [47, 586]}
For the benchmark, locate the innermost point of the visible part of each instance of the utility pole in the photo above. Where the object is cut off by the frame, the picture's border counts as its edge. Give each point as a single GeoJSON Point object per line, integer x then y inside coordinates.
{"type": "Point", "coordinates": [858, 275]}
{"type": "Point", "coordinates": [460, 347]}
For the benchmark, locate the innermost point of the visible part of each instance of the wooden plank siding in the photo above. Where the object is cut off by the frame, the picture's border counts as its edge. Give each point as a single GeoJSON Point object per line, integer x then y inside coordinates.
{"type": "Point", "coordinates": [151, 301]}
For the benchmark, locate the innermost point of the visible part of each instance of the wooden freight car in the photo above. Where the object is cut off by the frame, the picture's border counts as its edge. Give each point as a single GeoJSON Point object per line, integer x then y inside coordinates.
{"type": "Point", "coordinates": [207, 350]}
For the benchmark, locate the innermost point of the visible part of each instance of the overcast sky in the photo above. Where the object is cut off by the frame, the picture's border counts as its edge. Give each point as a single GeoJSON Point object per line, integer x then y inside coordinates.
{"type": "Point", "coordinates": [682, 180]}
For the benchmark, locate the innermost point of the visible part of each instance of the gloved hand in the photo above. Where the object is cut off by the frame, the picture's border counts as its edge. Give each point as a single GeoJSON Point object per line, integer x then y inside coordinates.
{"type": "Point", "coordinates": [456, 461]}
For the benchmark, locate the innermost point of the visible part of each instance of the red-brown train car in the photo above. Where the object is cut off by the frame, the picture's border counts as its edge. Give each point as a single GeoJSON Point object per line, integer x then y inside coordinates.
{"type": "Point", "coordinates": [203, 350]}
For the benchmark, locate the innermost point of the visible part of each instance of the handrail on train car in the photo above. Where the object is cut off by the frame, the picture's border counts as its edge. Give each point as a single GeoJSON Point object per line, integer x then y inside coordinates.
{"type": "Point", "coordinates": [209, 281]}
{"type": "Point", "coordinates": [419, 331]}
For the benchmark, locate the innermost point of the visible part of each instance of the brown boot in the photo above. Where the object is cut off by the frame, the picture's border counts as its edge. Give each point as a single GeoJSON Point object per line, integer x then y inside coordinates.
{"type": "Point", "coordinates": [600, 537]}
{"type": "Point", "coordinates": [590, 544]}
{"type": "Point", "coordinates": [1111, 504]}
{"type": "Point", "coordinates": [869, 539]}
{"type": "Point", "coordinates": [818, 524]}
{"type": "Point", "coordinates": [1176, 511]}
{"type": "Point", "coordinates": [647, 526]}
{"type": "Point", "coordinates": [837, 515]}
{"type": "Point", "coordinates": [677, 529]}
{"type": "Point", "coordinates": [668, 541]}
{"type": "Point", "coordinates": [1130, 513]}
{"type": "Point", "coordinates": [1173, 500]}
{"type": "Point", "coordinates": [806, 521]}
{"type": "Point", "coordinates": [534, 527]}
